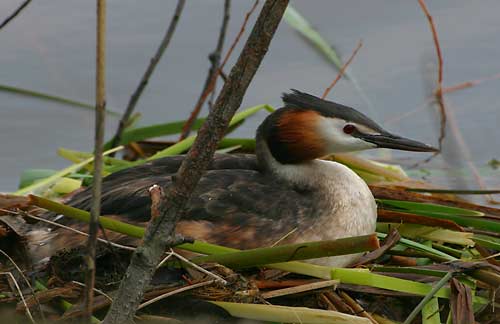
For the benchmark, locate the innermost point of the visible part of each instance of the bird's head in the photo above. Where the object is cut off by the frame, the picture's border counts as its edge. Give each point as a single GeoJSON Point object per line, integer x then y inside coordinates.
{"type": "Point", "coordinates": [308, 127]}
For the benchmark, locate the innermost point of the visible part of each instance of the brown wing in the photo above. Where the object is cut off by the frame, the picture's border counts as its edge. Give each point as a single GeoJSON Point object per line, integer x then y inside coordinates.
{"type": "Point", "coordinates": [125, 192]}
{"type": "Point", "coordinates": [233, 204]}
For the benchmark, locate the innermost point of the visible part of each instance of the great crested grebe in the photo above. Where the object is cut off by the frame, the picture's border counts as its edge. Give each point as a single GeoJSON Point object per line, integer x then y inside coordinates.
{"type": "Point", "coordinates": [247, 201]}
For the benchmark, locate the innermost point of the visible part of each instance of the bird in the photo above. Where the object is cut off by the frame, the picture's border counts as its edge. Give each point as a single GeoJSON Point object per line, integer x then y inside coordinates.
{"type": "Point", "coordinates": [285, 192]}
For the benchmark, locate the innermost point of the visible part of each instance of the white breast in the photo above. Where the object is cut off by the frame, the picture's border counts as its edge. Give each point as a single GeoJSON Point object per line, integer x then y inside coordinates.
{"type": "Point", "coordinates": [346, 206]}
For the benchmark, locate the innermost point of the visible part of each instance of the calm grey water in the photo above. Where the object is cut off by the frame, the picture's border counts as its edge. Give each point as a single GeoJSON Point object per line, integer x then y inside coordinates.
{"type": "Point", "coordinates": [50, 48]}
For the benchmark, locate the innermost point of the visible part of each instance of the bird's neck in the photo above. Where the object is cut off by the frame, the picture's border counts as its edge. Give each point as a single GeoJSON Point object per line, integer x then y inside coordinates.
{"type": "Point", "coordinates": [301, 175]}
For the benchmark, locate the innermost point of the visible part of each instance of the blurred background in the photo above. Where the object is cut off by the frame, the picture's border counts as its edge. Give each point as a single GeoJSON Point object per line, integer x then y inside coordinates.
{"type": "Point", "coordinates": [50, 48]}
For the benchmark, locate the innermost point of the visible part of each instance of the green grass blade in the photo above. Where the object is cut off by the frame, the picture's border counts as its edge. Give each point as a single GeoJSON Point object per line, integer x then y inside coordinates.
{"type": "Point", "coordinates": [487, 241]}
{"type": "Point", "coordinates": [185, 144]}
{"type": "Point", "coordinates": [430, 312]}
{"type": "Point", "coordinates": [31, 176]}
{"type": "Point", "coordinates": [420, 247]}
{"type": "Point", "coordinates": [247, 144]}
{"type": "Point", "coordinates": [364, 277]}
{"type": "Point", "coordinates": [293, 18]}
{"type": "Point", "coordinates": [414, 231]}
{"type": "Point", "coordinates": [62, 173]}
{"type": "Point", "coordinates": [157, 130]}
{"type": "Point", "coordinates": [289, 252]}
{"type": "Point", "coordinates": [461, 216]}
{"type": "Point", "coordinates": [415, 207]}
{"type": "Point", "coordinates": [415, 270]}
{"type": "Point", "coordinates": [44, 96]}
{"type": "Point", "coordinates": [78, 156]}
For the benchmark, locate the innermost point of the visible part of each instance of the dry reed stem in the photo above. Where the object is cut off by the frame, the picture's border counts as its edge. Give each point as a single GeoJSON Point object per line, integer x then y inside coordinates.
{"type": "Point", "coordinates": [342, 70]}
{"type": "Point", "coordinates": [299, 289]}
{"type": "Point", "coordinates": [356, 307]}
{"type": "Point", "coordinates": [171, 293]}
{"type": "Point", "coordinates": [197, 267]}
{"type": "Point", "coordinates": [95, 289]}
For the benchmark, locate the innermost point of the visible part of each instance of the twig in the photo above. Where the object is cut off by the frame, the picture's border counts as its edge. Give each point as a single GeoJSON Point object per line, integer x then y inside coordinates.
{"type": "Point", "coordinates": [211, 84]}
{"type": "Point", "coordinates": [171, 293]}
{"type": "Point", "coordinates": [159, 232]}
{"type": "Point", "coordinates": [445, 90]}
{"type": "Point", "coordinates": [147, 74]}
{"type": "Point", "coordinates": [212, 72]}
{"type": "Point", "coordinates": [120, 246]}
{"type": "Point", "coordinates": [197, 267]}
{"type": "Point", "coordinates": [469, 84]}
{"type": "Point", "coordinates": [27, 283]}
{"type": "Point", "coordinates": [342, 70]}
{"type": "Point", "coordinates": [438, 93]}
{"type": "Point", "coordinates": [20, 295]}
{"type": "Point", "coordinates": [95, 289]}
{"type": "Point", "coordinates": [165, 259]}
{"type": "Point", "coordinates": [15, 13]}
{"type": "Point", "coordinates": [100, 104]}
{"type": "Point", "coordinates": [389, 241]}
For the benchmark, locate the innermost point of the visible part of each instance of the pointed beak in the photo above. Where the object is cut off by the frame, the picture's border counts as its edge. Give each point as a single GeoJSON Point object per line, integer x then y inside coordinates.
{"type": "Point", "coordinates": [391, 141]}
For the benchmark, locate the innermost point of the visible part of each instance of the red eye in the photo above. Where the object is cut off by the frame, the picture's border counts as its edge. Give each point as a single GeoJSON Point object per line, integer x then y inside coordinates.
{"type": "Point", "coordinates": [348, 129]}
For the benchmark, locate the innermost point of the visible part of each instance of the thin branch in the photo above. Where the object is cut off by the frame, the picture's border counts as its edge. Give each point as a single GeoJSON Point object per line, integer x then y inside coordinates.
{"type": "Point", "coordinates": [439, 92]}
{"type": "Point", "coordinates": [469, 84]}
{"type": "Point", "coordinates": [211, 84]}
{"type": "Point", "coordinates": [197, 267]}
{"type": "Point", "coordinates": [159, 233]}
{"type": "Point", "coordinates": [15, 13]}
{"type": "Point", "coordinates": [147, 74]}
{"type": "Point", "coordinates": [100, 104]}
{"type": "Point", "coordinates": [212, 73]}
{"type": "Point", "coordinates": [95, 289]}
{"type": "Point", "coordinates": [342, 70]}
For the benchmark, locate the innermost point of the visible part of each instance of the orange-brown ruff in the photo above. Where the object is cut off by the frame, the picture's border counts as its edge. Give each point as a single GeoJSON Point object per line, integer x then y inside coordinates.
{"type": "Point", "coordinates": [247, 201]}
{"type": "Point", "coordinates": [297, 130]}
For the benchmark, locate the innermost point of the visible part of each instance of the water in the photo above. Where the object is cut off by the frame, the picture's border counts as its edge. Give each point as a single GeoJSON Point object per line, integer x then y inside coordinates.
{"type": "Point", "coordinates": [50, 48]}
